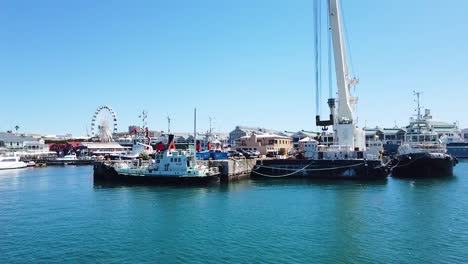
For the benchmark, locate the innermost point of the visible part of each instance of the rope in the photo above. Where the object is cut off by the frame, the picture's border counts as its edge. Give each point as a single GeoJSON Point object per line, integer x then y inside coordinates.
{"type": "Point", "coordinates": [330, 79]}
{"type": "Point", "coordinates": [302, 169]}
{"type": "Point", "coordinates": [318, 49]}
{"type": "Point", "coordinates": [413, 161]}
{"type": "Point", "coordinates": [347, 40]}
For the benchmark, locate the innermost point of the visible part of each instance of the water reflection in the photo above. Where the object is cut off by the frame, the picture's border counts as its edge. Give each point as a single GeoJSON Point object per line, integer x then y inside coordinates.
{"type": "Point", "coordinates": [426, 181]}
{"type": "Point", "coordinates": [315, 182]}
{"type": "Point", "coordinates": [100, 184]}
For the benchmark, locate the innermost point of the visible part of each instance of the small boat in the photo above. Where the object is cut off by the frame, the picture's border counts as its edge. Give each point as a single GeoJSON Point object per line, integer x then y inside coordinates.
{"type": "Point", "coordinates": [11, 162]}
{"type": "Point", "coordinates": [422, 154]}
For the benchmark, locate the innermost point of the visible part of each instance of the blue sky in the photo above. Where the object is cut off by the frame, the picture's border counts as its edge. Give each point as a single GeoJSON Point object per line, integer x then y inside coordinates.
{"type": "Point", "coordinates": [246, 62]}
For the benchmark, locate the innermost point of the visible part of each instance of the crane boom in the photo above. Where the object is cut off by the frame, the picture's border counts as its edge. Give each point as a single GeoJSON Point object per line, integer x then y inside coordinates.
{"type": "Point", "coordinates": [346, 132]}
{"type": "Point", "coordinates": [345, 111]}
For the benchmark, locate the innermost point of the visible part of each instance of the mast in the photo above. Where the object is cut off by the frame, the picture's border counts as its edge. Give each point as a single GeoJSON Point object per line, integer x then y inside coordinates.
{"type": "Point", "coordinates": [211, 119]}
{"type": "Point", "coordinates": [418, 95]}
{"type": "Point", "coordinates": [418, 117]}
{"type": "Point", "coordinates": [195, 136]}
{"type": "Point", "coordinates": [168, 124]}
{"type": "Point", "coordinates": [143, 116]}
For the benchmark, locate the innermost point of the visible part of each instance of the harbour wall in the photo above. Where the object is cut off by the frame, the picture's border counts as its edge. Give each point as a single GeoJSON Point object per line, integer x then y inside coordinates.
{"type": "Point", "coordinates": [233, 169]}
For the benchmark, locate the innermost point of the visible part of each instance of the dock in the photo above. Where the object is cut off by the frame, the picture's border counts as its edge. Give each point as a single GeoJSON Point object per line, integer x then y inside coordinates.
{"type": "Point", "coordinates": [233, 169]}
{"type": "Point", "coordinates": [55, 162]}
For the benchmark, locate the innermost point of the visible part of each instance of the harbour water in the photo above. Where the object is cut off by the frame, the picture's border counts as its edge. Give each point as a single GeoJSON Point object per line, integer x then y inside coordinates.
{"type": "Point", "coordinates": [57, 214]}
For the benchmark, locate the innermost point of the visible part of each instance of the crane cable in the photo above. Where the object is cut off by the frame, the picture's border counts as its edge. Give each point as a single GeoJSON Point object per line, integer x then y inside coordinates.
{"type": "Point", "coordinates": [317, 57]}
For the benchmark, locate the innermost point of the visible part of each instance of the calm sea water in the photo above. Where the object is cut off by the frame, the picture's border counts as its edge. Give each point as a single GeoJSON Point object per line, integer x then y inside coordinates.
{"type": "Point", "coordinates": [56, 215]}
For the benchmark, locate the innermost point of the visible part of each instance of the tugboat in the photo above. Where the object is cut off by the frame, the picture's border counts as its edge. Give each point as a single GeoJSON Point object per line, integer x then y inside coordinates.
{"type": "Point", "coordinates": [348, 157]}
{"type": "Point", "coordinates": [422, 154]}
{"type": "Point", "coordinates": [169, 166]}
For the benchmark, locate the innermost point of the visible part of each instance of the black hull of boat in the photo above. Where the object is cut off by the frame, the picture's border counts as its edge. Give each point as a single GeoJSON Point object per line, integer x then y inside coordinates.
{"type": "Point", "coordinates": [423, 165]}
{"type": "Point", "coordinates": [321, 169]}
{"type": "Point", "coordinates": [104, 173]}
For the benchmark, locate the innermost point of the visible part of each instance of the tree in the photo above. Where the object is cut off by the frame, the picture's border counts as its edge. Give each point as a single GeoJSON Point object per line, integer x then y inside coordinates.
{"type": "Point", "coordinates": [17, 128]}
{"type": "Point", "coordinates": [282, 151]}
{"type": "Point", "coordinates": [144, 156]}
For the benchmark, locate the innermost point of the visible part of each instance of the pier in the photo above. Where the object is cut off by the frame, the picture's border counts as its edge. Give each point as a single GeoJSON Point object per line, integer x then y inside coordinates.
{"type": "Point", "coordinates": [40, 162]}
{"type": "Point", "coordinates": [233, 169]}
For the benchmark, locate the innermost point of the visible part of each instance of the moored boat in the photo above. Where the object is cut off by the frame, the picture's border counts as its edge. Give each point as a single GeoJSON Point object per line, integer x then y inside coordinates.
{"type": "Point", "coordinates": [347, 157]}
{"type": "Point", "coordinates": [422, 154]}
{"type": "Point", "coordinates": [168, 166]}
{"type": "Point", "coordinates": [11, 162]}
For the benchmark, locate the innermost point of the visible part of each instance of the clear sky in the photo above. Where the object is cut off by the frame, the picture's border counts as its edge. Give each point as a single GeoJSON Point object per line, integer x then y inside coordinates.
{"type": "Point", "coordinates": [247, 62]}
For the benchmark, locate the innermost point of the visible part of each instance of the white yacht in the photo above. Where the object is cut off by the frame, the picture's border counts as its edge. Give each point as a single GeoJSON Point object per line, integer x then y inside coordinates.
{"type": "Point", "coordinates": [11, 162]}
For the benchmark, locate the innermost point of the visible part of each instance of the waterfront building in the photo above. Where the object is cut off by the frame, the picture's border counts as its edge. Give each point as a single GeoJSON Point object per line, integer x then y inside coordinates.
{"type": "Point", "coordinates": [103, 148]}
{"type": "Point", "coordinates": [15, 142]}
{"type": "Point", "coordinates": [265, 143]}
{"type": "Point", "coordinates": [242, 131]}
{"type": "Point", "coordinates": [299, 135]}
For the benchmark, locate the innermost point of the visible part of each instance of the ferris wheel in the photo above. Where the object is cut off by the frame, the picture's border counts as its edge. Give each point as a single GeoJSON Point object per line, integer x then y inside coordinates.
{"type": "Point", "coordinates": [104, 123]}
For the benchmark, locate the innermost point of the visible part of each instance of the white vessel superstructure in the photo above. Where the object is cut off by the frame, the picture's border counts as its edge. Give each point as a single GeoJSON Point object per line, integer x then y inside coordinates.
{"type": "Point", "coordinates": [11, 162]}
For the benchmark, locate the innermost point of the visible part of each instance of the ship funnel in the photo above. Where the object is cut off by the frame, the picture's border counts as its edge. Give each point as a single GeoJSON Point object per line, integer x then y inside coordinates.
{"type": "Point", "coordinates": [170, 142]}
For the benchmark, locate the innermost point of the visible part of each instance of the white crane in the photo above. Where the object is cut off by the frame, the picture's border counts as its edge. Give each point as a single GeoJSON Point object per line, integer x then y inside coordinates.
{"type": "Point", "coordinates": [344, 118]}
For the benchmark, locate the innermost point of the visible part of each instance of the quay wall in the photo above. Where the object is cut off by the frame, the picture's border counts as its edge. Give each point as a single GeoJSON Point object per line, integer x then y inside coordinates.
{"type": "Point", "coordinates": [233, 169]}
